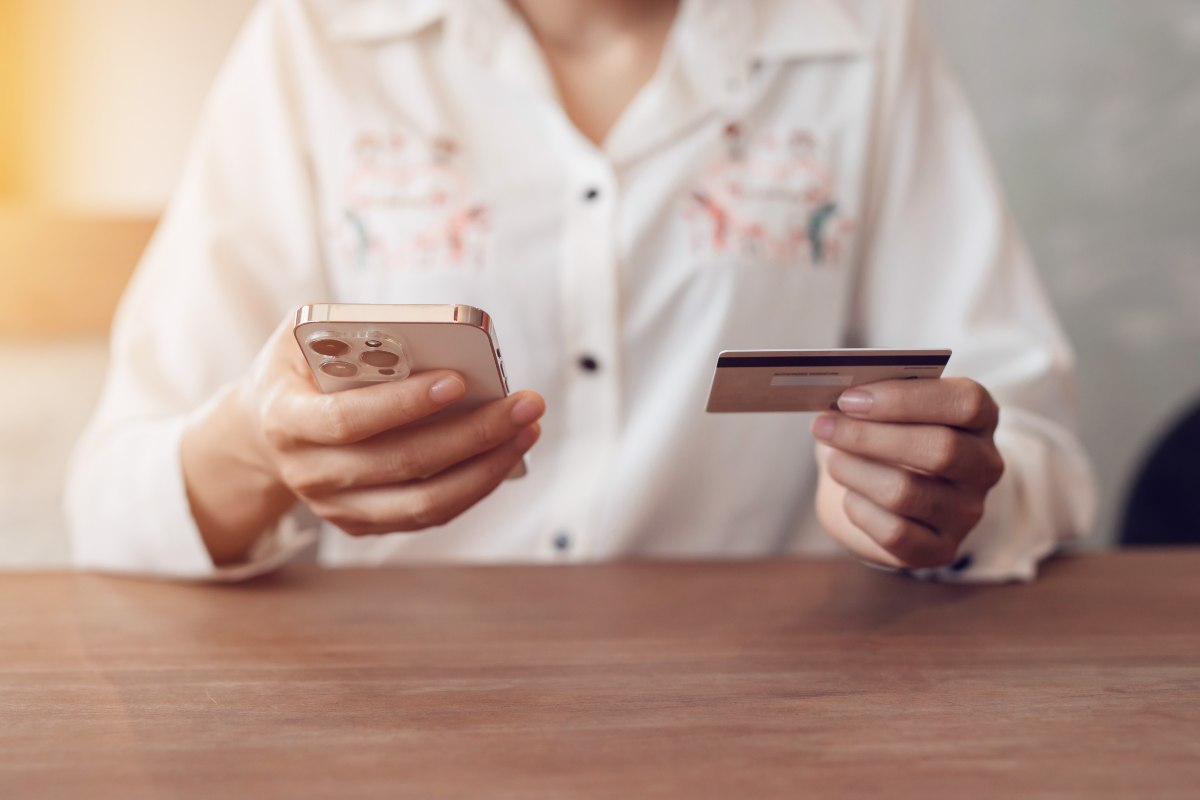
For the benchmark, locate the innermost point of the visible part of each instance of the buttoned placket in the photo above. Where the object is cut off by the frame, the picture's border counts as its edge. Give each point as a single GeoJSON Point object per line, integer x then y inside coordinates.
{"type": "Point", "coordinates": [588, 277]}
{"type": "Point", "coordinates": [589, 291]}
{"type": "Point", "coordinates": [589, 283]}
{"type": "Point", "coordinates": [589, 269]}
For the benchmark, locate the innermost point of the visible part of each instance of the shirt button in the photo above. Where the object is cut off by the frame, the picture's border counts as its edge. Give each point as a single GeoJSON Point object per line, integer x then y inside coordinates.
{"type": "Point", "coordinates": [591, 194]}
{"type": "Point", "coordinates": [588, 364]}
{"type": "Point", "coordinates": [962, 564]}
{"type": "Point", "coordinates": [562, 541]}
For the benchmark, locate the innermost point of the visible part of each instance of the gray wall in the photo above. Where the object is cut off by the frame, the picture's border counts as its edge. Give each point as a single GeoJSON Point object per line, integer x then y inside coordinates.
{"type": "Point", "coordinates": [1092, 108]}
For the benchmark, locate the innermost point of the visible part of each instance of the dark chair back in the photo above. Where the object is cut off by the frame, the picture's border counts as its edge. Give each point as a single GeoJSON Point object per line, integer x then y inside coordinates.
{"type": "Point", "coordinates": [1163, 507]}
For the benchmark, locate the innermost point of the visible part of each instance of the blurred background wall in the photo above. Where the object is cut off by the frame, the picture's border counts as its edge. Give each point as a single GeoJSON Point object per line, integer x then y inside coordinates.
{"type": "Point", "coordinates": [1092, 108]}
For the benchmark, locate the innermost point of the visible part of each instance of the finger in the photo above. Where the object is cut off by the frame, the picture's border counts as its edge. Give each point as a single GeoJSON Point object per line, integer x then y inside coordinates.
{"type": "Point", "coordinates": [912, 543]}
{"type": "Point", "coordinates": [945, 508]}
{"type": "Point", "coordinates": [414, 452]}
{"type": "Point", "coordinates": [935, 449]}
{"type": "Point", "coordinates": [957, 402]}
{"type": "Point", "coordinates": [351, 416]}
{"type": "Point", "coordinates": [429, 503]}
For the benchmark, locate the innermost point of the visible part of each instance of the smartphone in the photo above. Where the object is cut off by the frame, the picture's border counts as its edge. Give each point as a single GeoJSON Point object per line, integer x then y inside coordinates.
{"type": "Point", "coordinates": [348, 346]}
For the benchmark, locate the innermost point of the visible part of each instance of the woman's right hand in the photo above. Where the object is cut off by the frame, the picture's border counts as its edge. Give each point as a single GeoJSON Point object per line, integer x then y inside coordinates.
{"type": "Point", "coordinates": [356, 458]}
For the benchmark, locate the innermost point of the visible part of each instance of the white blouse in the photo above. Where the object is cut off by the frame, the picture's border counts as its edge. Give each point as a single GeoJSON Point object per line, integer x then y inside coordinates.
{"type": "Point", "coordinates": [796, 175]}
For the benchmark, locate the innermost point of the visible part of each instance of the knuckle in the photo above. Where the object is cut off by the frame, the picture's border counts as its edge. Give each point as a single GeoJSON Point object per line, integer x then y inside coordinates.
{"type": "Point", "coordinates": [851, 434]}
{"type": "Point", "coordinates": [424, 509]}
{"type": "Point", "coordinates": [939, 554]}
{"type": "Point", "coordinates": [311, 477]}
{"type": "Point", "coordinates": [850, 507]}
{"type": "Point", "coordinates": [345, 519]}
{"type": "Point", "coordinates": [945, 450]}
{"type": "Point", "coordinates": [906, 496]}
{"type": "Point", "coordinates": [298, 477]}
{"type": "Point", "coordinates": [405, 463]}
{"type": "Point", "coordinates": [353, 527]}
{"type": "Point", "coordinates": [378, 520]}
{"type": "Point", "coordinates": [361, 529]}
{"type": "Point", "coordinates": [972, 513]}
{"type": "Point", "coordinates": [483, 433]}
{"type": "Point", "coordinates": [500, 468]}
{"type": "Point", "coordinates": [275, 431]}
{"type": "Point", "coordinates": [979, 407]}
{"type": "Point", "coordinates": [920, 553]}
{"type": "Point", "coordinates": [335, 420]}
{"type": "Point", "coordinates": [972, 403]}
{"type": "Point", "coordinates": [276, 437]}
{"type": "Point", "coordinates": [897, 535]}
{"type": "Point", "coordinates": [409, 401]}
{"type": "Point", "coordinates": [995, 467]}
{"type": "Point", "coordinates": [840, 466]}
{"type": "Point", "coordinates": [944, 553]}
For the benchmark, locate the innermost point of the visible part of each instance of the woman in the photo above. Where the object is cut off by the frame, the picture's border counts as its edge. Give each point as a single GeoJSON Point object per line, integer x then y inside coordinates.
{"type": "Point", "coordinates": [628, 188]}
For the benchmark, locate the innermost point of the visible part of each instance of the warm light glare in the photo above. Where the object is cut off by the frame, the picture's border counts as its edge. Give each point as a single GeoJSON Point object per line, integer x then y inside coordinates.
{"type": "Point", "coordinates": [12, 97]}
{"type": "Point", "coordinates": [98, 101]}
{"type": "Point", "coordinates": [104, 97]}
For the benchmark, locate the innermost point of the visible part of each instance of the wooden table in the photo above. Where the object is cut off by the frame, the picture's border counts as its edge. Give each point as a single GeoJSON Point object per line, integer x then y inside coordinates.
{"type": "Point", "coordinates": [775, 679]}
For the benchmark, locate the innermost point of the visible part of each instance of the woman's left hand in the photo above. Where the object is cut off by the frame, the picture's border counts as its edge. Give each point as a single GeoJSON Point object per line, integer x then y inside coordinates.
{"type": "Point", "coordinates": [906, 467]}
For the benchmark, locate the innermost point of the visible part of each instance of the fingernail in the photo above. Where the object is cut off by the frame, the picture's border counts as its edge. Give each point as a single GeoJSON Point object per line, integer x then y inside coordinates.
{"type": "Point", "coordinates": [447, 390]}
{"type": "Point", "coordinates": [823, 426]}
{"type": "Point", "coordinates": [526, 411]}
{"type": "Point", "coordinates": [856, 401]}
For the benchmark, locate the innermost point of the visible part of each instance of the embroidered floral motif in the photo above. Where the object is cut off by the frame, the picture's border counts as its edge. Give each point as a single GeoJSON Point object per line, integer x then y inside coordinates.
{"type": "Point", "coordinates": [405, 204]}
{"type": "Point", "coordinates": [769, 197]}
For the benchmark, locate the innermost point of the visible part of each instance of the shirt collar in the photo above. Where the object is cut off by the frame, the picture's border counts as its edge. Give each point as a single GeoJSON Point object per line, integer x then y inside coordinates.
{"type": "Point", "coordinates": [796, 29]}
{"type": "Point", "coordinates": [380, 20]}
{"type": "Point", "coordinates": [721, 30]}
{"type": "Point", "coordinates": [772, 28]}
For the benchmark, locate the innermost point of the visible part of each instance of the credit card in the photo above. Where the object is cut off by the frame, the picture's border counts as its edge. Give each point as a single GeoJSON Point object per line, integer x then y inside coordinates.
{"type": "Point", "coordinates": [750, 381]}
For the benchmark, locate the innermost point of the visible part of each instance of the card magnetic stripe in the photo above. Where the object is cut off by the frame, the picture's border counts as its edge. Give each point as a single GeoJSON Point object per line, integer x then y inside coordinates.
{"type": "Point", "coordinates": [726, 362]}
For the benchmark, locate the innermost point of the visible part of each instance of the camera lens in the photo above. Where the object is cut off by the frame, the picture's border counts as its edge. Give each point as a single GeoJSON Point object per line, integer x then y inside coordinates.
{"type": "Point", "coordinates": [380, 358]}
{"type": "Point", "coordinates": [339, 369]}
{"type": "Point", "coordinates": [387, 372]}
{"type": "Point", "coordinates": [328, 346]}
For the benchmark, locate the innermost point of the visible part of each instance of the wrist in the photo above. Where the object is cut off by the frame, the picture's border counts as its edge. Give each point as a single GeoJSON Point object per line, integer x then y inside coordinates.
{"type": "Point", "coordinates": [233, 489]}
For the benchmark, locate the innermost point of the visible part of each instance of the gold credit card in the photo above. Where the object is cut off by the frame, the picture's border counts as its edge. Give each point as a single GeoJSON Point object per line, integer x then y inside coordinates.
{"type": "Point", "coordinates": [749, 381]}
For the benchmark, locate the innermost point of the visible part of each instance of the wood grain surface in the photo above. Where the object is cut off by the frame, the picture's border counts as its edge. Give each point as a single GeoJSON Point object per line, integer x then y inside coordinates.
{"type": "Point", "coordinates": [762, 679]}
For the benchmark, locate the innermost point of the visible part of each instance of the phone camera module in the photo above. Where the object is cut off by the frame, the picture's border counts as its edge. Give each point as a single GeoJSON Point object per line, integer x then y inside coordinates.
{"type": "Point", "coordinates": [328, 346]}
{"type": "Point", "coordinates": [339, 369]}
{"type": "Point", "coordinates": [386, 357]}
{"type": "Point", "coordinates": [380, 358]}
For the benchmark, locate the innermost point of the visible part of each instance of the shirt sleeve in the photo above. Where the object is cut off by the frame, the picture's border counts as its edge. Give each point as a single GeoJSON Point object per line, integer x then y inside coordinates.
{"type": "Point", "coordinates": [943, 266]}
{"type": "Point", "coordinates": [236, 250]}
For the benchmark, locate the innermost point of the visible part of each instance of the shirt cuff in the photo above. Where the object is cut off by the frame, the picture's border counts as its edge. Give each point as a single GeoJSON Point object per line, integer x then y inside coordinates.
{"type": "Point", "coordinates": [273, 548]}
{"type": "Point", "coordinates": [133, 517]}
{"type": "Point", "coordinates": [1046, 498]}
